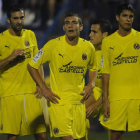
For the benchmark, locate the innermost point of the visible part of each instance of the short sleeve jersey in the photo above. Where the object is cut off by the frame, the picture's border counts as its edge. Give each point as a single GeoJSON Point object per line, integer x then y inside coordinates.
{"type": "Point", "coordinates": [68, 65]}
{"type": "Point", "coordinates": [15, 78]}
{"type": "Point", "coordinates": [121, 60]}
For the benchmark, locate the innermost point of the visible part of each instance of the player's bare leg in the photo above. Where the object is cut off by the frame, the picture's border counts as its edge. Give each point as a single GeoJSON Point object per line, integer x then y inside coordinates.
{"type": "Point", "coordinates": [41, 136]}
{"type": "Point", "coordinates": [116, 135]}
{"type": "Point", "coordinates": [13, 137]}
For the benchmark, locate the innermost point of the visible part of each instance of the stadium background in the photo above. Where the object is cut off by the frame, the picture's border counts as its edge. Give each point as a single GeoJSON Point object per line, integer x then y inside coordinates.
{"type": "Point", "coordinates": [45, 18]}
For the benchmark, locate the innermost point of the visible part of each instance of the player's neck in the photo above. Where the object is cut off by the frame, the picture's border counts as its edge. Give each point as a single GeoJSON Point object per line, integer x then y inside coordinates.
{"type": "Point", "coordinates": [72, 41]}
{"type": "Point", "coordinates": [98, 47]}
{"type": "Point", "coordinates": [123, 32]}
{"type": "Point", "coordinates": [12, 32]}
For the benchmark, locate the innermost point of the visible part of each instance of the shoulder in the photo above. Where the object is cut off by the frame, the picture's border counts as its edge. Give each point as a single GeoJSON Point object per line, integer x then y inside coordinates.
{"type": "Point", "coordinates": [136, 33]}
{"type": "Point", "coordinates": [4, 34]}
{"type": "Point", "coordinates": [85, 43]}
{"type": "Point", "coordinates": [28, 32]}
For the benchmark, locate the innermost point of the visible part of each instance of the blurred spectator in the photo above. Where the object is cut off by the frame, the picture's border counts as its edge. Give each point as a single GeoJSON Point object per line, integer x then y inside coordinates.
{"type": "Point", "coordinates": [0, 10]}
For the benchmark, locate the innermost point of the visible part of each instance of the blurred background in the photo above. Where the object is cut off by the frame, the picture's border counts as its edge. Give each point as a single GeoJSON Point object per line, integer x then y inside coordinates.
{"type": "Point", "coordinates": [45, 18]}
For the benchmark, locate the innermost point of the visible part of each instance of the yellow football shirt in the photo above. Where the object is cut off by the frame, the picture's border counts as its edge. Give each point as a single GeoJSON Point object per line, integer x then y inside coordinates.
{"type": "Point", "coordinates": [15, 78]}
{"type": "Point", "coordinates": [121, 59]}
{"type": "Point", "coordinates": [68, 65]}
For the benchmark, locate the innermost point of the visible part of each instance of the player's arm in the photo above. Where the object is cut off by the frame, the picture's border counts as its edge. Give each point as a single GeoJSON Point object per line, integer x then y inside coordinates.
{"type": "Point", "coordinates": [38, 91]}
{"type": "Point", "coordinates": [15, 53]}
{"type": "Point", "coordinates": [47, 93]}
{"type": "Point", "coordinates": [88, 90]}
{"type": "Point", "coordinates": [93, 106]}
{"type": "Point", "coordinates": [105, 80]}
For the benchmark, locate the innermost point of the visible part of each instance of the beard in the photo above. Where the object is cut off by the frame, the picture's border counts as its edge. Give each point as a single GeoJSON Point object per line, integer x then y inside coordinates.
{"type": "Point", "coordinates": [17, 27]}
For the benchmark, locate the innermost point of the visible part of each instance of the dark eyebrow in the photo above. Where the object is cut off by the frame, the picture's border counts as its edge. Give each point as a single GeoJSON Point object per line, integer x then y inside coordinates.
{"type": "Point", "coordinates": [94, 31]}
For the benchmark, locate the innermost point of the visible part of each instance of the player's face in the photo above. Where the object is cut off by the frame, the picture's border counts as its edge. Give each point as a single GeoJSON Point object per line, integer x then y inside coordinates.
{"type": "Point", "coordinates": [16, 20]}
{"type": "Point", "coordinates": [125, 20]}
{"type": "Point", "coordinates": [96, 36]}
{"type": "Point", "coordinates": [72, 27]}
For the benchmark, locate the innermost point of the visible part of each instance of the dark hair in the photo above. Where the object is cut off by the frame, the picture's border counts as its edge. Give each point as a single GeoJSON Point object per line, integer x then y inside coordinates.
{"type": "Point", "coordinates": [12, 9]}
{"type": "Point", "coordinates": [75, 15]}
{"type": "Point", "coordinates": [125, 6]}
{"type": "Point", "coordinates": [105, 25]}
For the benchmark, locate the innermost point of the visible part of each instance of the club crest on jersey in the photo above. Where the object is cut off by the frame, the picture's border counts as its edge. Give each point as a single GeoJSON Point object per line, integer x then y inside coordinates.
{"type": "Point", "coordinates": [84, 56]}
{"type": "Point", "coordinates": [105, 120]}
{"type": "Point", "coordinates": [27, 44]}
{"type": "Point", "coordinates": [56, 131]}
{"type": "Point", "coordinates": [136, 46]}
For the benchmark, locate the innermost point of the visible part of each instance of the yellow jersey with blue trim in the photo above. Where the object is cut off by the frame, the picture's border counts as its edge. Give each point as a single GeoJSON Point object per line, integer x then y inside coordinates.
{"type": "Point", "coordinates": [14, 77]}
{"type": "Point", "coordinates": [68, 65]}
{"type": "Point", "coordinates": [121, 60]}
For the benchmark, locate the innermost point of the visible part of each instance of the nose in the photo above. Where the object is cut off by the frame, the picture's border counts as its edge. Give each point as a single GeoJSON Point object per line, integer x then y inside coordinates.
{"type": "Point", "coordinates": [19, 21]}
{"type": "Point", "coordinates": [90, 34]}
{"type": "Point", "coordinates": [70, 24]}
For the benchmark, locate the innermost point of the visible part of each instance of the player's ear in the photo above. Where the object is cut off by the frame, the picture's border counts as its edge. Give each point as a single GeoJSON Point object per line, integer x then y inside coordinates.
{"type": "Point", "coordinates": [8, 20]}
{"type": "Point", "coordinates": [81, 27]}
{"type": "Point", "coordinates": [63, 28]}
{"type": "Point", "coordinates": [117, 17]}
{"type": "Point", "coordinates": [105, 34]}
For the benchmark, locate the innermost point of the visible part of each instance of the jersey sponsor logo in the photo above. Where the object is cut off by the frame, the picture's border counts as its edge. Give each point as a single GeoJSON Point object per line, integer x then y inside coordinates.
{"type": "Point", "coordinates": [38, 55]}
{"type": "Point", "coordinates": [27, 44]}
{"type": "Point", "coordinates": [7, 46]}
{"type": "Point", "coordinates": [71, 69]}
{"type": "Point", "coordinates": [61, 55]}
{"type": "Point", "coordinates": [112, 48]}
{"type": "Point", "coordinates": [99, 75]}
{"type": "Point", "coordinates": [124, 60]}
{"type": "Point", "coordinates": [56, 131]}
{"type": "Point", "coordinates": [136, 46]}
{"type": "Point", "coordinates": [84, 56]}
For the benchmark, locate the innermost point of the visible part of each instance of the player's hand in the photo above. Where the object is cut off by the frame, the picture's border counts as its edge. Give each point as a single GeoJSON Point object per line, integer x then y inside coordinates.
{"type": "Point", "coordinates": [17, 52]}
{"type": "Point", "coordinates": [87, 91]}
{"type": "Point", "coordinates": [50, 96]}
{"type": "Point", "coordinates": [91, 109]}
{"type": "Point", "coordinates": [106, 108]}
{"type": "Point", "coordinates": [38, 92]}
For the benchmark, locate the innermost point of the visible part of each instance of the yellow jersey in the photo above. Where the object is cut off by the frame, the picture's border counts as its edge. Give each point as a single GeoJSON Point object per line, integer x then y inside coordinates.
{"type": "Point", "coordinates": [98, 82]}
{"type": "Point", "coordinates": [14, 77]}
{"type": "Point", "coordinates": [121, 60]}
{"type": "Point", "coordinates": [68, 65]}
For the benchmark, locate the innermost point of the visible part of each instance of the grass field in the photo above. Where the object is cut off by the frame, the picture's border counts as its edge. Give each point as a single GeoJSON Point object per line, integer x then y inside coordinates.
{"type": "Point", "coordinates": [92, 136]}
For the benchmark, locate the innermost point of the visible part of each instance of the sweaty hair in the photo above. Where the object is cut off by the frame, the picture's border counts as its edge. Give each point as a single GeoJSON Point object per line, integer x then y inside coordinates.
{"type": "Point", "coordinates": [12, 9]}
{"type": "Point", "coordinates": [105, 25]}
{"type": "Point", "coordinates": [74, 15]}
{"type": "Point", "coordinates": [125, 6]}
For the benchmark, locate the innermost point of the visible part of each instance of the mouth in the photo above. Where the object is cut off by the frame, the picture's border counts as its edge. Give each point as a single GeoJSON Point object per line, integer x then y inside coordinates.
{"type": "Point", "coordinates": [128, 24]}
{"type": "Point", "coordinates": [71, 31]}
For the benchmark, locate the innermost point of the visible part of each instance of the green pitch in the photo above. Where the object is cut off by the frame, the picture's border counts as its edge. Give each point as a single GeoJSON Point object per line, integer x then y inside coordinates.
{"type": "Point", "coordinates": [92, 136]}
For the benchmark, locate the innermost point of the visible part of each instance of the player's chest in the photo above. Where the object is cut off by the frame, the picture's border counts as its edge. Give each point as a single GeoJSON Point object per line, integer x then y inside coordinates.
{"type": "Point", "coordinates": [77, 57]}
{"type": "Point", "coordinates": [124, 53]}
{"type": "Point", "coordinates": [10, 45]}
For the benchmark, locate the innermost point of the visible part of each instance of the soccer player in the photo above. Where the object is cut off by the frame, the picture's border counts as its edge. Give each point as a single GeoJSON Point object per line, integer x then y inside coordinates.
{"type": "Point", "coordinates": [121, 72]}
{"type": "Point", "coordinates": [69, 57]}
{"type": "Point", "coordinates": [99, 30]}
{"type": "Point", "coordinates": [21, 112]}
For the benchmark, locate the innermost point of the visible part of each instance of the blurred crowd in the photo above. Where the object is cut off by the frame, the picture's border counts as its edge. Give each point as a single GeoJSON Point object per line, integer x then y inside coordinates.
{"type": "Point", "coordinates": [42, 12]}
{"type": "Point", "coordinates": [38, 12]}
